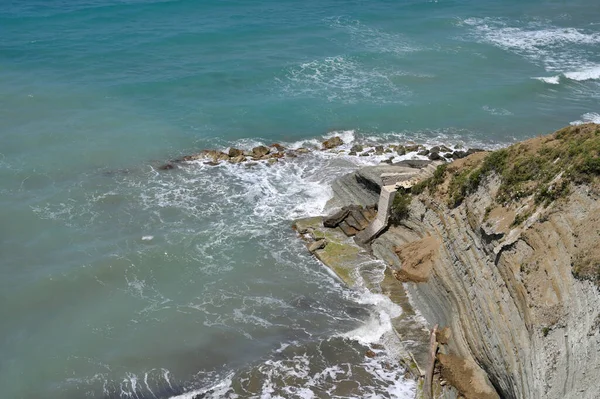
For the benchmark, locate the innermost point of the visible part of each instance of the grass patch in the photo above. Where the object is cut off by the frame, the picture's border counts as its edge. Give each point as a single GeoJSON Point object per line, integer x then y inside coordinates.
{"type": "Point", "coordinates": [400, 206]}
{"type": "Point", "coordinates": [531, 168]}
{"type": "Point", "coordinates": [433, 182]}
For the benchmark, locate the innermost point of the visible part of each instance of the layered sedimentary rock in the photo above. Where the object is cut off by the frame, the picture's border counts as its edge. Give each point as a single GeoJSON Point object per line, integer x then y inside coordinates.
{"type": "Point", "coordinates": [505, 252]}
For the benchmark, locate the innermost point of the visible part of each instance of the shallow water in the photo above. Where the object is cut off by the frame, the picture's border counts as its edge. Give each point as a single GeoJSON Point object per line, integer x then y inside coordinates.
{"type": "Point", "coordinates": [120, 281]}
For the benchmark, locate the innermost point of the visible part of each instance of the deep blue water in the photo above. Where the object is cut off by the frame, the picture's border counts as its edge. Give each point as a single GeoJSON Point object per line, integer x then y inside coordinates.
{"type": "Point", "coordinates": [95, 94]}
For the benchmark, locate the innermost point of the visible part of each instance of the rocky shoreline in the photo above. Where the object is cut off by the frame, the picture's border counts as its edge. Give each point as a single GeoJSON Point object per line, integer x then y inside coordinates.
{"type": "Point", "coordinates": [500, 250]}
{"type": "Point", "coordinates": [276, 152]}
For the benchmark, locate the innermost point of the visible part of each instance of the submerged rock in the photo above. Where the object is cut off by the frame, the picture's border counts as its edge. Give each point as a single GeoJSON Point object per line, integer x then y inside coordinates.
{"type": "Point", "coordinates": [167, 166]}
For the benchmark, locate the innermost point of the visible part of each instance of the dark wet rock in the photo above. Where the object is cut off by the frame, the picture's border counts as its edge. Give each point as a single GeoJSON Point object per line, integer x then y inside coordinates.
{"type": "Point", "coordinates": [387, 150]}
{"type": "Point", "coordinates": [423, 153]}
{"type": "Point", "coordinates": [388, 161]}
{"type": "Point", "coordinates": [443, 148]}
{"type": "Point", "coordinates": [357, 148]}
{"type": "Point", "coordinates": [167, 166]}
{"type": "Point", "coordinates": [411, 148]}
{"type": "Point", "coordinates": [365, 154]}
{"type": "Point", "coordinates": [211, 163]}
{"type": "Point", "coordinates": [333, 142]}
{"type": "Point", "coordinates": [260, 151]}
{"type": "Point", "coordinates": [337, 218]}
{"type": "Point", "coordinates": [234, 152]}
{"type": "Point", "coordinates": [370, 353]}
{"type": "Point", "coordinates": [448, 155]}
{"type": "Point", "coordinates": [401, 150]}
{"type": "Point", "coordinates": [291, 154]}
{"type": "Point", "coordinates": [459, 154]}
{"type": "Point", "coordinates": [352, 153]}
{"type": "Point", "coordinates": [378, 149]}
{"type": "Point", "coordinates": [435, 149]}
{"type": "Point", "coordinates": [276, 155]}
{"type": "Point", "coordinates": [435, 156]}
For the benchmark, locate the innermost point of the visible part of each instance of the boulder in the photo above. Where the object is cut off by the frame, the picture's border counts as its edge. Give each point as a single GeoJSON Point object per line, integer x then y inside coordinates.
{"type": "Point", "coordinates": [411, 148]}
{"type": "Point", "coordinates": [423, 152]}
{"type": "Point", "coordinates": [302, 150]}
{"type": "Point", "coordinates": [378, 149]}
{"type": "Point", "coordinates": [333, 142]}
{"type": "Point", "coordinates": [365, 154]}
{"type": "Point", "coordinates": [278, 147]}
{"type": "Point", "coordinates": [215, 155]}
{"type": "Point", "coordinates": [401, 150]}
{"type": "Point", "coordinates": [352, 153]}
{"type": "Point", "coordinates": [435, 156]}
{"type": "Point", "coordinates": [435, 149]}
{"type": "Point", "coordinates": [337, 218]}
{"type": "Point", "coordinates": [459, 154]}
{"type": "Point", "coordinates": [443, 148]}
{"type": "Point", "coordinates": [260, 151]}
{"type": "Point", "coordinates": [356, 148]}
{"type": "Point", "coordinates": [237, 159]}
{"type": "Point", "coordinates": [234, 152]}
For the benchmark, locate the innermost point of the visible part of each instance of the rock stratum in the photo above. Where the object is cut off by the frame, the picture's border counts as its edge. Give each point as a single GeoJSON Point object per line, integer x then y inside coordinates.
{"type": "Point", "coordinates": [501, 250]}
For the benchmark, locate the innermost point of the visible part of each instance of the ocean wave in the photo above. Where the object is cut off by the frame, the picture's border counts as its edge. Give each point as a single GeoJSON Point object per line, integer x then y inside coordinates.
{"type": "Point", "coordinates": [590, 117]}
{"type": "Point", "coordinates": [592, 73]}
{"type": "Point", "coordinates": [557, 49]}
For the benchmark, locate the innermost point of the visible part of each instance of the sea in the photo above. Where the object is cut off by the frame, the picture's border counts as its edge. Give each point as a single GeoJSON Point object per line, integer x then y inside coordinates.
{"type": "Point", "coordinates": [121, 280]}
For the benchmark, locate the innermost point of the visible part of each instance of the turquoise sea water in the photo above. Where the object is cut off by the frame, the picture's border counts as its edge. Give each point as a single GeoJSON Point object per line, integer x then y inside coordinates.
{"type": "Point", "coordinates": [120, 281]}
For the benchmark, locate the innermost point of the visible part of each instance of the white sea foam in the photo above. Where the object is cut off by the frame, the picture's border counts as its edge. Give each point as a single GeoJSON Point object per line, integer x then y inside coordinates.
{"type": "Point", "coordinates": [553, 80]}
{"type": "Point", "coordinates": [373, 39]}
{"type": "Point", "coordinates": [586, 74]}
{"type": "Point", "coordinates": [590, 117]}
{"type": "Point", "coordinates": [344, 79]}
{"type": "Point", "coordinates": [496, 111]}
{"type": "Point", "coordinates": [557, 49]}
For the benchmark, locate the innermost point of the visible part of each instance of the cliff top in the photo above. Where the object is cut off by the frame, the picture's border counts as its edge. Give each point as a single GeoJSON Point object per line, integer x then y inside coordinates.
{"type": "Point", "coordinates": [535, 176]}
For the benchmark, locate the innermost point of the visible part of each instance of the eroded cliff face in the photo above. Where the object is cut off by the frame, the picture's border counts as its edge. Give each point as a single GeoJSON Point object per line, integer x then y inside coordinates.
{"type": "Point", "coordinates": [502, 278]}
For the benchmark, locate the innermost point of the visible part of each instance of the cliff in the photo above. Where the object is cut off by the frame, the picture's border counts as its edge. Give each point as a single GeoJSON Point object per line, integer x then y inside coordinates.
{"type": "Point", "coordinates": [503, 249]}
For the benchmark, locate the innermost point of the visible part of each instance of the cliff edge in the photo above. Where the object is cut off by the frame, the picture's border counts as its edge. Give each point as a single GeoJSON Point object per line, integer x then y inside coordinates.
{"type": "Point", "coordinates": [502, 251]}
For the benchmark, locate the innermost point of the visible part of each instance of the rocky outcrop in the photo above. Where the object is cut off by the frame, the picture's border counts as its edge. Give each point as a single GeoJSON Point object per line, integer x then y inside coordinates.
{"type": "Point", "coordinates": [504, 253]}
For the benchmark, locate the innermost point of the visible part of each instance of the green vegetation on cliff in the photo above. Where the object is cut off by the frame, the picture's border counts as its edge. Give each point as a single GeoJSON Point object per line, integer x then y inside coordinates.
{"type": "Point", "coordinates": [543, 167]}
